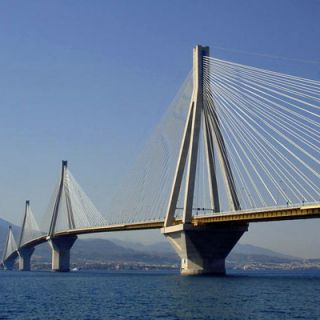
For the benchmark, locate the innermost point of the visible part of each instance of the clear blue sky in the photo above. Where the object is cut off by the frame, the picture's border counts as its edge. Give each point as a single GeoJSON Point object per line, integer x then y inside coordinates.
{"type": "Point", "coordinates": [87, 81]}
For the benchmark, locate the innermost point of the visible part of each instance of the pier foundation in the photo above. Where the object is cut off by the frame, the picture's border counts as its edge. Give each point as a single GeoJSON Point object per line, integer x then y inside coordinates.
{"type": "Point", "coordinates": [203, 249]}
{"type": "Point", "coordinates": [25, 258]}
{"type": "Point", "coordinates": [9, 263]}
{"type": "Point", "coordinates": [61, 252]}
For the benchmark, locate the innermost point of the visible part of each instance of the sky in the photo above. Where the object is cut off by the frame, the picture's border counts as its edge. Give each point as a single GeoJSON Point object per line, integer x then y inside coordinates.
{"type": "Point", "coordinates": [88, 81]}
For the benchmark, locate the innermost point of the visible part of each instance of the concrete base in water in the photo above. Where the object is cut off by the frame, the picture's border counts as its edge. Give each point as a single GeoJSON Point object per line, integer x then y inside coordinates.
{"type": "Point", "coordinates": [9, 263]}
{"type": "Point", "coordinates": [61, 252]}
{"type": "Point", "coordinates": [203, 249]}
{"type": "Point", "coordinates": [25, 258]}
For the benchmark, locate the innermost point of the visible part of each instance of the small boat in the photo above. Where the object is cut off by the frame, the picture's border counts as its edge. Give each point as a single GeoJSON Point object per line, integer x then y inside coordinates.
{"type": "Point", "coordinates": [75, 269]}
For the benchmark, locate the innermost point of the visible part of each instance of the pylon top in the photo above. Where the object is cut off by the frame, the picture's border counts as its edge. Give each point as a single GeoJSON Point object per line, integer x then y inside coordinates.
{"type": "Point", "coordinates": [204, 48]}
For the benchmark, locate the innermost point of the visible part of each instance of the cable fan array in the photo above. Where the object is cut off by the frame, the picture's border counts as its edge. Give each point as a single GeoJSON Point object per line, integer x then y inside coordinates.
{"type": "Point", "coordinates": [10, 246]}
{"type": "Point", "coordinates": [266, 126]}
{"type": "Point", "coordinates": [143, 194]}
{"type": "Point", "coordinates": [264, 130]}
{"type": "Point", "coordinates": [30, 229]}
{"type": "Point", "coordinates": [270, 125]}
{"type": "Point", "coordinates": [75, 209]}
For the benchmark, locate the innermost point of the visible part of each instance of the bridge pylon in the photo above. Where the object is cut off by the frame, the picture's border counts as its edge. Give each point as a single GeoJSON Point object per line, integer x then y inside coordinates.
{"type": "Point", "coordinates": [202, 249]}
{"type": "Point", "coordinates": [62, 245]}
{"type": "Point", "coordinates": [9, 252]}
{"type": "Point", "coordinates": [25, 253]}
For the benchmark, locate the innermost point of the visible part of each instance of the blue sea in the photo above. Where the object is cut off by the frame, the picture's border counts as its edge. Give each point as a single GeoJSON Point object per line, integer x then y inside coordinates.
{"type": "Point", "coordinates": [158, 295]}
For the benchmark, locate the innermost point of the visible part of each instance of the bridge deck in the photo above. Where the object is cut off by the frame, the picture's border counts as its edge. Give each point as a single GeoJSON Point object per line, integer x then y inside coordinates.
{"type": "Point", "coordinates": [270, 214]}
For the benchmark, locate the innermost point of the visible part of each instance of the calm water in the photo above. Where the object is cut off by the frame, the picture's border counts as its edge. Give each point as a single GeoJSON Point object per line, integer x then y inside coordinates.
{"type": "Point", "coordinates": [102, 295]}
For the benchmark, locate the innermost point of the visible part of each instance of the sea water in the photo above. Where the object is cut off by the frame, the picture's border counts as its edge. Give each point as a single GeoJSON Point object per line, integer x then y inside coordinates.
{"type": "Point", "coordinates": [158, 295]}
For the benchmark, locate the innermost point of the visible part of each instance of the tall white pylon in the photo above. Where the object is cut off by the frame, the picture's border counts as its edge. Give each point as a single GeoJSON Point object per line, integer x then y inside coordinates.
{"type": "Point", "coordinates": [202, 248]}
{"type": "Point", "coordinates": [30, 229]}
{"type": "Point", "coordinates": [10, 251]}
{"type": "Point", "coordinates": [200, 115]}
{"type": "Point", "coordinates": [63, 190]}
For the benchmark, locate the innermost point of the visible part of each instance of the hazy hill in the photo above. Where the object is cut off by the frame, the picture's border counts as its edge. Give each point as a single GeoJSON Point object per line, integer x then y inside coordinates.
{"type": "Point", "coordinates": [248, 249]}
{"type": "Point", "coordinates": [164, 247]}
{"type": "Point", "coordinates": [102, 250]}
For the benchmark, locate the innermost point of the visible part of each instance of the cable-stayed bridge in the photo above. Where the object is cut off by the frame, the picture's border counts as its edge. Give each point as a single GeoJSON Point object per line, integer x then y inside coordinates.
{"type": "Point", "coordinates": [238, 144]}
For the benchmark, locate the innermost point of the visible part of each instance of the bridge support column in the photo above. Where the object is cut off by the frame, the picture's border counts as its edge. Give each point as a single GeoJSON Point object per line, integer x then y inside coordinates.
{"type": "Point", "coordinates": [61, 252]}
{"type": "Point", "coordinates": [9, 263]}
{"type": "Point", "coordinates": [25, 258]}
{"type": "Point", "coordinates": [203, 249]}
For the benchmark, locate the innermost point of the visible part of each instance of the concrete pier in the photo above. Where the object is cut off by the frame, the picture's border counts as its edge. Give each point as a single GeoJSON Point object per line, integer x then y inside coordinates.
{"type": "Point", "coordinates": [9, 263]}
{"type": "Point", "coordinates": [25, 258]}
{"type": "Point", "coordinates": [203, 249]}
{"type": "Point", "coordinates": [61, 252]}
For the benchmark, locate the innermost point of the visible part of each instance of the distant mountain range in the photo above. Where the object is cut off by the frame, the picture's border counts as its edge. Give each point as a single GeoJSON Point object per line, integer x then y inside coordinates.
{"type": "Point", "coordinates": [102, 253]}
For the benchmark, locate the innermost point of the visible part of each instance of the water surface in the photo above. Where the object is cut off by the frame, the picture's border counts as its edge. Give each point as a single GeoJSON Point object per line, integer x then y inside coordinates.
{"type": "Point", "coordinates": [158, 295]}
